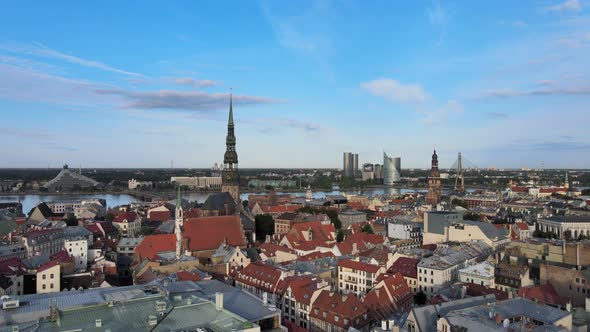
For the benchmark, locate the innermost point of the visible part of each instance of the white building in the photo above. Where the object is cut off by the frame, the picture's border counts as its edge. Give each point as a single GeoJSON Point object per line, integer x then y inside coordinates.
{"type": "Point", "coordinates": [405, 230]}
{"type": "Point", "coordinates": [49, 277]}
{"type": "Point", "coordinates": [442, 226]}
{"type": "Point", "coordinates": [127, 245]}
{"type": "Point", "coordinates": [357, 277]}
{"type": "Point", "coordinates": [442, 269]}
{"type": "Point", "coordinates": [575, 225]}
{"type": "Point", "coordinates": [133, 184]}
{"type": "Point", "coordinates": [481, 274]}
{"type": "Point", "coordinates": [77, 248]}
{"type": "Point", "coordinates": [197, 181]}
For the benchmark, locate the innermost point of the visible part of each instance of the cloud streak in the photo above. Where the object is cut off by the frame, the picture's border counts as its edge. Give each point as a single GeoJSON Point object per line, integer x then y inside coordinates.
{"type": "Point", "coordinates": [39, 50]}
{"type": "Point", "coordinates": [393, 90]}
{"type": "Point", "coordinates": [566, 6]}
{"type": "Point", "coordinates": [196, 83]}
{"type": "Point", "coordinates": [182, 100]}
{"type": "Point", "coordinates": [508, 93]}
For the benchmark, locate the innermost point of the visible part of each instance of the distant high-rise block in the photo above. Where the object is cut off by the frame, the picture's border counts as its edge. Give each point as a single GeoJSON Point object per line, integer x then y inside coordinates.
{"type": "Point", "coordinates": [391, 170]}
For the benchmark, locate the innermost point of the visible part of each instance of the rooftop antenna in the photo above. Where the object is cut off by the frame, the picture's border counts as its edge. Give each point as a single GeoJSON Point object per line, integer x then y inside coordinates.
{"type": "Point", "coordinates": [80, 169]}
{"type": "Point", "coordinates": [172, 163]}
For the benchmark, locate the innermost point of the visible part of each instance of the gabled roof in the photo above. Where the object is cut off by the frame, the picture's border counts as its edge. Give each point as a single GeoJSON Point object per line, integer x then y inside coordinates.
{"type": "Point", "coordinates": [152, 245]}
{"type": "Point", "coordinates": [544, 294]}
{"type": "Point", "coordinates": [126, 217]}
{"type": "Point", "coordinates": [407, 266]}
{"type": "Point", "coordinates": [337, 308]}
{"type": "Point", "coordinates": [48, 265]}
{"type": "Point", "coordinates": [260, 275]}
{"type": "Point", "coordinates": [390, 294]}
{"type": "Point", "coordinates": [270, 249]}
{"type": "Point", "coordinates": [207, 233]}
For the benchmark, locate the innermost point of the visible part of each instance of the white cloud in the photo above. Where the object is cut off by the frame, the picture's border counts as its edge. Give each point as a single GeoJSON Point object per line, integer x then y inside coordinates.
{"type": "Point", "coordinates": [393, 90]}
{"type": "Point", "coordinates": [566, 6]}
{"type": "Point", "coordinates": [439, 18]}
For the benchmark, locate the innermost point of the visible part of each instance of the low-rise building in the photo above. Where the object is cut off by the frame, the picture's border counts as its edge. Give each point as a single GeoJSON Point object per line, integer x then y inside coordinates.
{"type": "Point", "coordinates": [299, 295]}
{"type": "Point", "coordinates": [338, 313]}
{"type": "Point", "coordinates": [410, 232]}
{"type": "Point", "coordinates": [575, 226]}
{"type": "Point", "coordinates": [481, 274]}
{"type": "Point", "coordinates": [408, 267]}
{"type": "Point", "coordinates": [442, 269]}
{"type": "Point", "coordinates": [45, 241]}
{"type": "Point", "coordinates": [77, 248]}
{"type": "Point", "coordinates": [49, 277]}
{"type": "Point", "coordinates": [261, 280]}
{"type": "Point", "coordinates": [128, 224]}
{"type": "Point", "coordinates": [349, 217]}
{"type": "Point", "coordinates": [357, 277]}
{"type": "Point", "coordinates": [510, 277]}
{"type": "Point", "coordinates": [442, 226]}
{"type": "Point", "coordinates": [126, 246]}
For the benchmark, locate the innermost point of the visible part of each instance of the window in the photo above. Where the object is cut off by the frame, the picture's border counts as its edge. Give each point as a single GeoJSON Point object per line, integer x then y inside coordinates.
{"type": "Point", "coordinates": [431, 273]}
{"type": "Point", "coordinates": [51, 286]}
{"type": "Point", "coordinates": [51, 276]}
{"type": "Point", "coordinates": [44, 286]}
{"type": "Point", "coordinates": [43, 276]}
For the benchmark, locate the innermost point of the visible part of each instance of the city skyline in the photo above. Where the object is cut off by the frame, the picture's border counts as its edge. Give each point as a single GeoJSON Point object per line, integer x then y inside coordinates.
{"type": "Point", "coordinates": [505, 83]}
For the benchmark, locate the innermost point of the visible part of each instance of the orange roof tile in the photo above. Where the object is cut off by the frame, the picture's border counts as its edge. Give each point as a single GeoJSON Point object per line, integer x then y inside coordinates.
{"type": "Point", "coordinates": [207, 233]}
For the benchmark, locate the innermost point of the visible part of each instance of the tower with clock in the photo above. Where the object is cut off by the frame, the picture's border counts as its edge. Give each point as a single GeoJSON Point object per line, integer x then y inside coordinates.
{"type": "Point", "coordinates": [230, 181]}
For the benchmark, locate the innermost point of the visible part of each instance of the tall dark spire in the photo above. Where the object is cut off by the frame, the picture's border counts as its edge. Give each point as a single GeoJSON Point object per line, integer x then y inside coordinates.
{"type": "Point", "coordinates": [230, 121]}
{"type": "Point", "coordinates": [230, 181]}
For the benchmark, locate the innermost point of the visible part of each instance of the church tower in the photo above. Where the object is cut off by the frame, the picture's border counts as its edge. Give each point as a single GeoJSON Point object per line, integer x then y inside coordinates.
{"type": "Point", "coordinates": [230, 181]}
{"type": "Point", "coordinates": [434, 185]}
{"type": "Point", "coordinates": [178, 223]}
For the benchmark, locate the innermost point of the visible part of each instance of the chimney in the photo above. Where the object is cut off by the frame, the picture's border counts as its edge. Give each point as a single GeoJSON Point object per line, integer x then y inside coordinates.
{"type": "Point", "coordinates": [219, 301]}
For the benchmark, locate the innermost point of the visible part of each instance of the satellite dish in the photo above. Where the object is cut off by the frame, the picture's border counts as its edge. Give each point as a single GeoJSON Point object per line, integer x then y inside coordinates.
{"type": "Point", "coordinates": [506, 323]}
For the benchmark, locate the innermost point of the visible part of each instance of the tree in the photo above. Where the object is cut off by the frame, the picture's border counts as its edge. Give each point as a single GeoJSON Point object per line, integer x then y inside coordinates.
{"type": "Point", "coordinates": [110, 216]}
{"type": "Point", "coordinates": [472, 216]}
{"type": "Point", "coordinates": [71, 220]}
{"type": "Point", "coordinates": [459, 202]}
{"type": "Point", "coordinates": [265, 225]}
{"type": "Point", "coordinates": [340, 236]}
{"type": "Point", "coordinates": [367, 229]}
{"type": "Point", "coordinates": [245, 204]}
{"type": "Point", "coordinates": [420, 298]}
{"type": "Point", "coordinates": [567, 234]}
{"type": "Point", "coordinates": [337, 223]}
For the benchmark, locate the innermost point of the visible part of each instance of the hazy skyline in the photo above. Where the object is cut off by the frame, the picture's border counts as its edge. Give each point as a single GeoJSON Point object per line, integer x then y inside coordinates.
{"type": "Point", "coordinates": [121, 84]}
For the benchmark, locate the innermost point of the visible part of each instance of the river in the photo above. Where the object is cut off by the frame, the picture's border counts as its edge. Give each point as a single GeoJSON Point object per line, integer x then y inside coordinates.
{"type": "Point", "coordinates": [30, 201]}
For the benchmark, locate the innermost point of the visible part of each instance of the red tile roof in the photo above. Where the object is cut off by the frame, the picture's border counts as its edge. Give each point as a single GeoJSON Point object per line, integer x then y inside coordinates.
{"type": "Point", "coordinates": [544, 294]}
{"type": "Point", "coordinates": [390, 294]}
{"type": "Point", "coordinates": [479, 290]}
{"type": "Point", "coordinates": [279, 208]}
{"type": "Point", "coordinates": [517, 189]}
{"type": "Point", "coordinates": [207, 233]}
{"type": "Point", "coordinates": [192, 213]}
{"type": "Point", "coordinates": [12, 266]}
{"type": "Point", "coordinates": [48, 265]}
{"type": "Point", "coordinates": [125, 216]}
{"type": "Point", "coordinates": [551, 190]}
{"type": "Point", "coordinates": [188, 276]}
{"type": "Point", "coordinates": [315, 255]}
{"type": "Point", "coordinates": [522, 226]}
{"type": "Point", "coordinates": [342, 306]}
{"type": "Point", "coordinates": [407, 266]}
{"type": "Point", "coordinates": [152, 245]}
{"type": "Point", "coordinates": [380, 254]}
{"type": "Point", "coordinates": [303, 289]}
{"type": "Point", "coordinates": [270, 249]}
{"type": "Point", "coordinates": [260, 275]}
{"type": "Point", "coordinates": [361, 266]}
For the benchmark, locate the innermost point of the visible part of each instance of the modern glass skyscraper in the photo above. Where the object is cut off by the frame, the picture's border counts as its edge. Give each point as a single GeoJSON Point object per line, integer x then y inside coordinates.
{"type": "Point", "coordinates": [391, 169]}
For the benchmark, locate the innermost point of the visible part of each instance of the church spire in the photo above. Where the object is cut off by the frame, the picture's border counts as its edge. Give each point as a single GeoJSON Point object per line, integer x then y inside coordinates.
{"type": "Point", "coordinates": [230, 121]}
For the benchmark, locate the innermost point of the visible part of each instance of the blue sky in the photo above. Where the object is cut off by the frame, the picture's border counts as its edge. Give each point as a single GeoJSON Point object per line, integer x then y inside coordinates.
{"type": "Point", "coordinates": [138, 84]}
